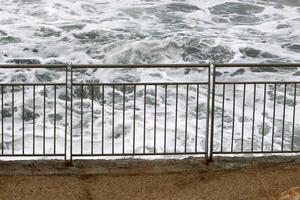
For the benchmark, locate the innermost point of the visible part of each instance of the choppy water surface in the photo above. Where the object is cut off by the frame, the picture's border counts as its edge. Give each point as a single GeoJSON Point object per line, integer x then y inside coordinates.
{"type": "Point", "coordinates": [139, 31]}
{"type": "Point", "coordinates": [145, 31]}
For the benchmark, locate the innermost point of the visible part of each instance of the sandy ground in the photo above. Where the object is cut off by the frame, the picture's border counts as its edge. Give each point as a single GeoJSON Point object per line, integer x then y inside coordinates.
{"type": "Point", "coordinates": [221, 180]}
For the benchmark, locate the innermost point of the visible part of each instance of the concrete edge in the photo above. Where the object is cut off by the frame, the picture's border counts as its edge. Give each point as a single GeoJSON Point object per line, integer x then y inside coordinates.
{"type": "Point", "coordinates": [139, 166]}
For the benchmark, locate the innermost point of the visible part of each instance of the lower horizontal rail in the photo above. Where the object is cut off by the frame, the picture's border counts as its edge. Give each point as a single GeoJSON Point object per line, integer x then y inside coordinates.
{"type": "Point", "coordinates": [141, 83]}
{"type": "Point", "coordinates": [32, 84]}
{"type": "Point", "coordinates": [140, 154]}
{"type": "Point", "coordinates": [32, 155]}
{"type": "Point", "coordinates": [256, 152]}
{"type": "Point", "coordinates": [256, 82]}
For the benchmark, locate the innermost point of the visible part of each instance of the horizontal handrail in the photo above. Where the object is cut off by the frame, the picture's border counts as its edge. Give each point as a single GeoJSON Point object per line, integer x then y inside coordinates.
{"type": "Point", "coordinates": [35, 66]}
{"type": "Point", "coordinates": [141, 66]}
{"type": "Point", "coordinates": [280, 65]}
{"type": "Point", "coordinates": [217, 65]}
{"type": "Point", "coordinates": [32, 84]}
{"type": "Point", "coordinates": [187, 65]}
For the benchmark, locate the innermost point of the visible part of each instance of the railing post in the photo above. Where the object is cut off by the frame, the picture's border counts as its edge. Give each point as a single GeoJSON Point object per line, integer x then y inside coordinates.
{"type": "Point", "coordinates": [212, 110]}
{"type": "Point", "coordinates": [66, 113]}
{"type": "Point", "coordinates": [208, 114]}
{"type": "Point", "coordinates": [68, 136]}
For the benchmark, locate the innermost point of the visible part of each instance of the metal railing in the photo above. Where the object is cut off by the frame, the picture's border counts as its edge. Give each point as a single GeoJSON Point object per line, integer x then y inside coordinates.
{"type": "Point", "coordinates": [77, 115]}
{"type": "Point", "coordinates": [253, 114]}
{"type": "Point", "coordinates": [29, 124]}
{"type": "Point", "coordinates": [139, 118]}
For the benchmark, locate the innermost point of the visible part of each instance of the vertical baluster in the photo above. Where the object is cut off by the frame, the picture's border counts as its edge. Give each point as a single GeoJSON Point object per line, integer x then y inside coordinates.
{"type": "Point", "coordinates": [233, 118]}
{"type": "Point", "coordinates": [81, 120]}
{"type": "Point", "coordinates": [123, 119]}
{"type": "Point", "coordinates": [34, 116]}
{"type": "Point", "coordinates": [103, 111]}
{"type": "Point", "coordinates": [176, 119]}
{"type": "Point", "coordinates": [186, 116]}
{"type": "Point", "coordinates": [294, 114]}
{"type": "Point", "coordinates": [54, 119]}
{"type": "Point", "coordinates": [165, 122]}
{"type": "Point", "coordinates": [243, 118]}
{"type": "Point", "coordinates": [264, 116]}
{"type": "Point", "coordinates": [13, 119]}
{"type": "Point", "coordinates": [66, 116]}
{"type": "Point", "coordinates": [92, 118]}
{"type": "Point", "coordinates": [44, 122]}
{"type": "Point", "coordinates": [274, 115]}
{"type": "Point", "coordinates": [155, 113]}
{"type": "Point", "coordinates": [197, 117]}
{"type": "Point", "coordinates": [134, 105]}
{"type": "Point", "coordinates": [253, 117]}
{"type": "Point", "coordinates": [283, 118]}
{"type": "Point", "coordinates": [113, 121]}
{"type": "Point", "coordinates": [222, 127]}
{"type": "Point", "coordinates": [144, 137]}
{"type": "Point", "coordinates": [2, 117]}
{"type": "Point", "coordinates": [23, 116]}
